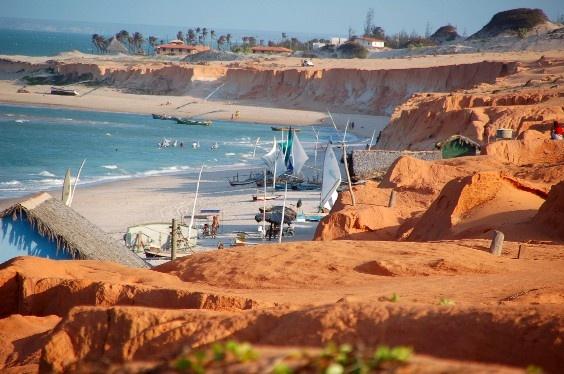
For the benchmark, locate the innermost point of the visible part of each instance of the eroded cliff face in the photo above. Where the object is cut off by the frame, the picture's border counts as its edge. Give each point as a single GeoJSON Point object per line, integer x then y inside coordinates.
{"type": "Point", "coordinates": [376, 91]}
{"type": "Point", "coordinates": [365, 91]}
{"type": "Point", "coordinates": [426, 119]}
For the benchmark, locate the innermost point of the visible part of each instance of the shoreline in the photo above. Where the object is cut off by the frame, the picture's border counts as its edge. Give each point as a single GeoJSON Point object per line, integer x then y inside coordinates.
{"type": "Point", "coordinates": [110, 100]}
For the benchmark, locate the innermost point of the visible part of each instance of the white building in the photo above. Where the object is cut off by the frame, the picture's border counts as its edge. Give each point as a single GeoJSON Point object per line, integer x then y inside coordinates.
{"type": "Point", "coordinates": [369, 42]}
{"type": "Point", "coordinates": [318, 45]}
{"type": "Point", "coordinates": [337, 41]}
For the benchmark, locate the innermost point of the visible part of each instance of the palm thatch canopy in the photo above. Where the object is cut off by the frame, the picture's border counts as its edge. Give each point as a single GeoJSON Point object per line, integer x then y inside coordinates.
{"type": "Point", "coordinates": [70, 231]}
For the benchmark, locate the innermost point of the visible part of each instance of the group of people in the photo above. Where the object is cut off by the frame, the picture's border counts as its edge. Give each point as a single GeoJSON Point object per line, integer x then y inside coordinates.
{"type": "Point", "coordinates": [212, 230]}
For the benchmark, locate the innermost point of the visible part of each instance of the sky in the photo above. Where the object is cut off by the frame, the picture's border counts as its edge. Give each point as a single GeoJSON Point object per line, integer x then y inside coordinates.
{"type": "Point", "coordinates": [325, 17]}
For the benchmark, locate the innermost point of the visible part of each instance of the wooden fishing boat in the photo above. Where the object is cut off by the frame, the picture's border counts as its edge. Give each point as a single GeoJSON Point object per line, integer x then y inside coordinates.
{"type": "Point", "coordinates": [163, 116]}
{"type": "Point", "coordinates": [235, 181]}
{"type": "Point", "coordinates": [63, 91]}
{"type": "Point", "coordinates": [193, 122]}
{"type": "Point", "coordinates": [274, 128]}
{"type": "Point", "coordinates": [267, 197]}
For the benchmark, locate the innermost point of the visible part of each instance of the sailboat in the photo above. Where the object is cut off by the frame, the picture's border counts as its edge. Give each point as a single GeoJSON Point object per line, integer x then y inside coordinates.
{"type": "Point", "coordinates": [67, 188]}
{"type": "Point", "coordinates": [331, 179]}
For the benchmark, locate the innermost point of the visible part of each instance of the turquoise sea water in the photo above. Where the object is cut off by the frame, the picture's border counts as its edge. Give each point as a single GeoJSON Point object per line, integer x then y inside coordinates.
{"type": "Point", "coordinates": [42, 43]}
{"type": "Point", "coordinates": [38, 144]}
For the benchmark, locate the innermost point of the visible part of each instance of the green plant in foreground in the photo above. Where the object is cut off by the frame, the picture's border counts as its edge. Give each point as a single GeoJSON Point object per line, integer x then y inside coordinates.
{"type": "Point", "coordinates": [385, 354]}
{"type": "Point", "coordinates": [533, 369]}
{"type": "Point", "coordinates": [446, 302]}
{"type": "Point", "coordinates": [219, 354]}
{"type": "Point", "coordinates": [394, 298]}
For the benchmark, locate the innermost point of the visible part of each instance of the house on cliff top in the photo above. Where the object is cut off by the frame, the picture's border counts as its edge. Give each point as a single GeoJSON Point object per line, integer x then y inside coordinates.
{"type": "Point", "coordinates": [44, 226]}
{"type": "Point", "coordinates": [179, 48]}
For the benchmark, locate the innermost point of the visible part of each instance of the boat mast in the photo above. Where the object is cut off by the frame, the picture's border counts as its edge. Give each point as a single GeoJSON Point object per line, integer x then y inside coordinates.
{"type": "Point", "coordinates": [372, 139]}
{"type": "Point", "coordinates": [194, 206]}
{"type": "Point", "coordinates": [283, 212]}
{"type": "Point", "coordinates": [264, 210]}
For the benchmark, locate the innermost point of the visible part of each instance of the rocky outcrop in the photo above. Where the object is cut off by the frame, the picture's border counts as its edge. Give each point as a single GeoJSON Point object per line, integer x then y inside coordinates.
{"type": "Point", "coordinates": [550, 215]}
{"type": "Point", "coordinates": [528, 152]}
{"type": "Point", "coordinates": [476, 205]}
{"type": "Point", "coordinates": [37, 289]}
{"type": "Point", "coordinates": [444, 34]}
{"type": "Point", "coordinates": [511, 21]}
{"type": "Point", "coordinates": [426, 119]}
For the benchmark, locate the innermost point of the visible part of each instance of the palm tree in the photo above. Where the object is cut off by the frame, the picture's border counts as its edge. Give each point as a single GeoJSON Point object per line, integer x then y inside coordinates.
{"type": "Point", "coordinates": [212, 37]}
{"type": "Point", "coordinates": [221, 41]}
{"type": "Point", "coordinates": [204, 34]}
{"type": "Point", "coordinates": [198, 30]}
{"type": "Point", "coordinates": [102, 43]}
{"type": "Point", "coordinates": [122, 36]}
{"type": "Point", "coordinates": [284, 36]}
{"type": "Point", "coordinates": [137, 40]}
{"type": "Point", "coordinates": [152, 42]}
{"type": "Point", "coordinates": [228, 40]}
{"type": "Point", "coordinates": [191, 36]}
{"type": "Point", "coordinates": [94, 41]}
{"type": "Point", "coordinates": [180, 35]}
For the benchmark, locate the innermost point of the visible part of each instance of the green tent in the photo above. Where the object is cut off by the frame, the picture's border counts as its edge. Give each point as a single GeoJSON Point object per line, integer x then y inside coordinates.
{"type": "Point", "coordinates": [458, 146]}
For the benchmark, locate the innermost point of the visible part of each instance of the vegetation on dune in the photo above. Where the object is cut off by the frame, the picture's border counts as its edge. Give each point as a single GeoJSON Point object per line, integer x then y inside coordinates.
{"type": "Point", "coordinates": [333, 359]}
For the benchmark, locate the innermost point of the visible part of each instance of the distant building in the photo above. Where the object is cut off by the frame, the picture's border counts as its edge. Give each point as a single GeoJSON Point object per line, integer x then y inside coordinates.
{"type": "Point", "coordinates": [318, 45]}
{"type": "Point", "coordinates": [369, 42]}
{"type": "Point", "coordinates": [270, 50]}
{"type": "Point", "coordinates": [179, 48]}
{"type": "Point", "coordinates": [337, 41]}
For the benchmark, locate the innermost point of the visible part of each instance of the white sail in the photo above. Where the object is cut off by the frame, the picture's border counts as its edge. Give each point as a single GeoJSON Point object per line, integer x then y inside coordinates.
{"type": "Point", "coordinates": [67, 191]}
{"type": "Point", "coordinates": [270, 158]}
{"type": "Point", "coordinates": [299, 156]}
{"type": "Point", "coordinates": [331, 179]}
{"type": "Point", "coordinates": [280, 163]}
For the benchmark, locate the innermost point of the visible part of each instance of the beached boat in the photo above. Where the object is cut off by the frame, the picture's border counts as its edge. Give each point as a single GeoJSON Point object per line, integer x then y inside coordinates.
{"type": "Point", "coordinates": [193, 122]}
{"type": "Point", "coordinates": [63, 91]}
{"type": "Point", "coordinates": [163, 116]}
{"type": "Point", "coordinates": [235, 181]}
{"type": "Point", "coordinates": [274, 128]}
{"type": "Point", "coordinates": [265, 198]}
{"type": "Point", "coordinates": [155, 237]}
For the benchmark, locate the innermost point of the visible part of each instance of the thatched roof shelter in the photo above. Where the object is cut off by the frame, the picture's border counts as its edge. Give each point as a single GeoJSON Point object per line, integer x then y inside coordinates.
{"type": "Point", "coordinates": [70, 231]}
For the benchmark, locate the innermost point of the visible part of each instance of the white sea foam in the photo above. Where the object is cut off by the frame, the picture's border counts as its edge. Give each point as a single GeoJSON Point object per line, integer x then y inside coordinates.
{"type": "Point", "coordinates": [51, 182]}
{"type": "Point", "coordinates": [110, 167]}
{"type": "Point", "coordinates": [45, 173]}
{"type": "Point", "coordinates": [230, 154]}
{"type": "Point", "coordinates": [11, 183]}
{"type": "Point", "coordinates": [21, 120]}
{"type": "Point", "coordinates": [108, 134]}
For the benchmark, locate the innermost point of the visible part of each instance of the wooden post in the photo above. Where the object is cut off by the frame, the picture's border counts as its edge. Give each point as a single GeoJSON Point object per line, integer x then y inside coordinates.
{"type": "Point", "coordinates": [519, 253]}
{"type": "Point", "coordinates": [173, 241]}
{"type": "Point", "coordinates": [392, 201]}
{"type": "Point", "coordinates": [497, 243]}
{"type": "Point", "coordinates": [348, 174]}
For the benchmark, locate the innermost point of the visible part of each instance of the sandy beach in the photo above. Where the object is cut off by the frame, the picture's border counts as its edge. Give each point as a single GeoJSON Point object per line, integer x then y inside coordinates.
{"type": "Point", "coordinates": [117, 205]}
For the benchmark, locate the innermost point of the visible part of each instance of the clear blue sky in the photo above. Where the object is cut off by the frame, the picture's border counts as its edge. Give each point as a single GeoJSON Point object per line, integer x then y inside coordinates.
{"type": "Point", "coordinates": [309, 16]}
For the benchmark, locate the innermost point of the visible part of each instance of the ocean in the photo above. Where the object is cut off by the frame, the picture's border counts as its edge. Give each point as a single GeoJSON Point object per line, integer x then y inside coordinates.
{"type": "Point", "coordinates": [38, 144]}
{"type": "Point", "coordinates": [42, 43]}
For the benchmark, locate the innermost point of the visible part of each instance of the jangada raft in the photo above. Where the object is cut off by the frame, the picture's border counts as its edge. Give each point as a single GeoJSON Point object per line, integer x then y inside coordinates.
{"type": "Point", "coordinates": [193, 122]}
{"type": "Point", "coordinates": [63, 91]}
